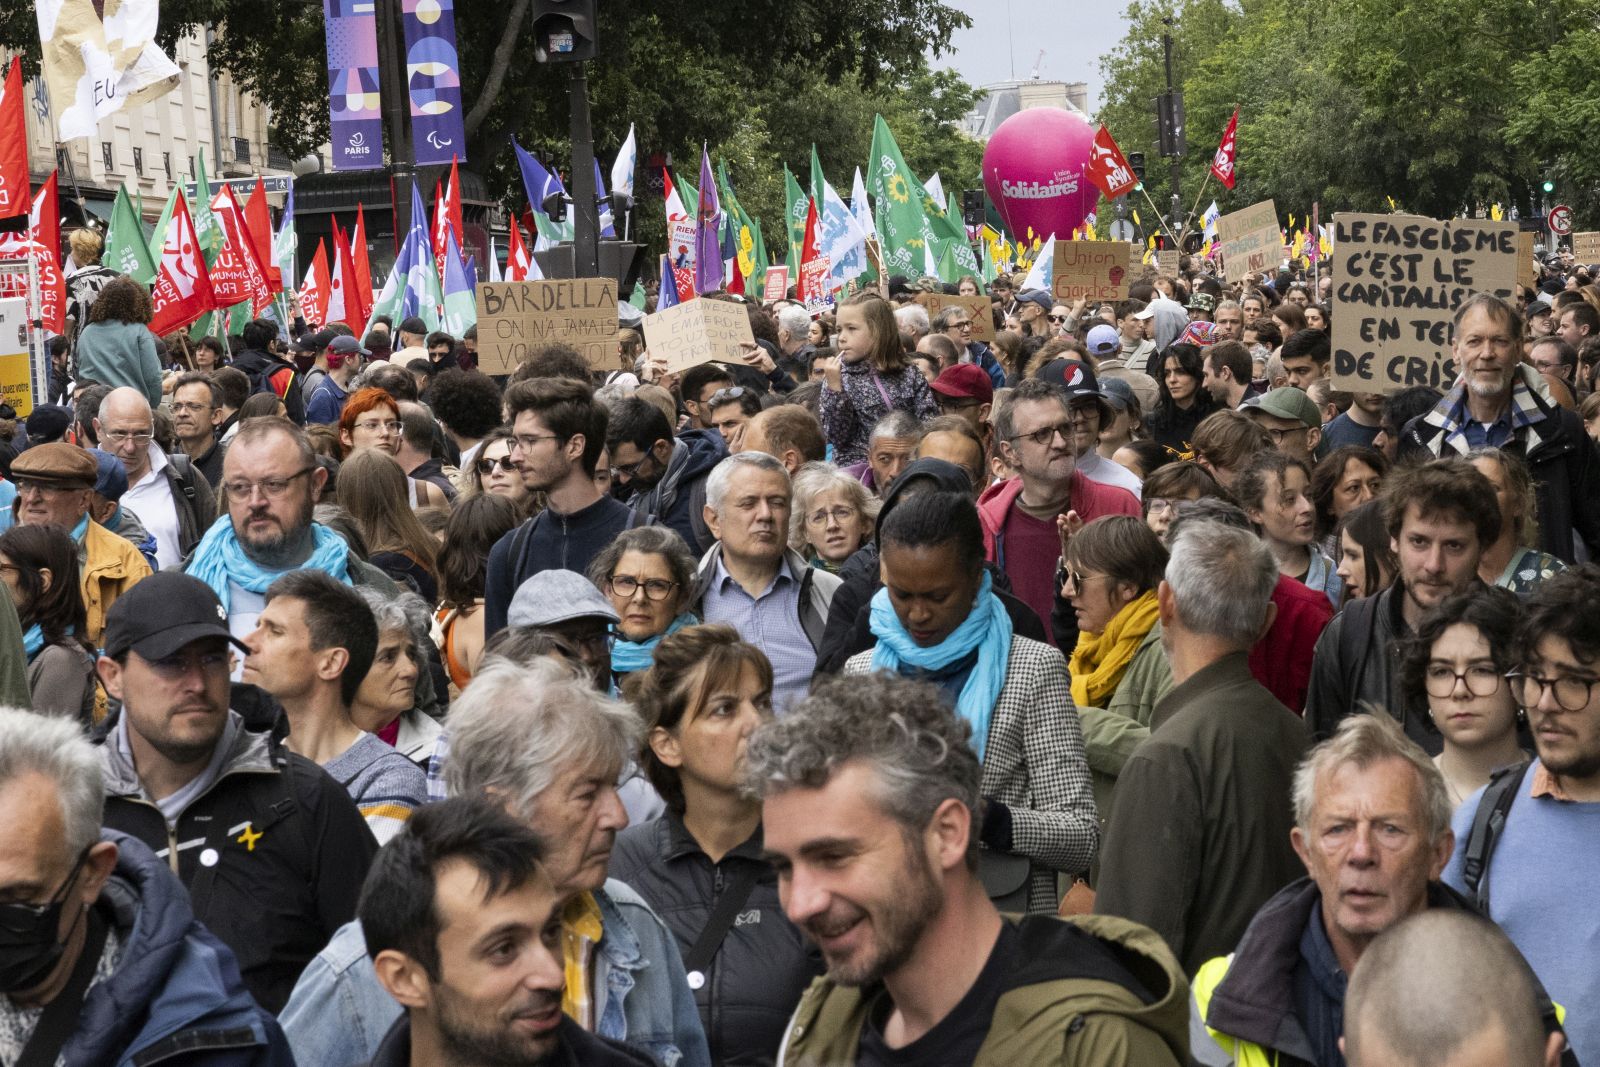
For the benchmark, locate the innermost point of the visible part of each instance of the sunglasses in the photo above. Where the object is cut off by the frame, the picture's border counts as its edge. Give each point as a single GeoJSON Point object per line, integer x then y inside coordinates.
{"type": "Point", "coordinates": [487, 466]}
{"type": "Point", "coordinates": [1058, 318]}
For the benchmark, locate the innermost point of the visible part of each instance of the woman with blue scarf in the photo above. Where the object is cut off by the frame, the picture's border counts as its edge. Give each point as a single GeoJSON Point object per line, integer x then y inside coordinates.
{"type": "Point", "coordinates": [40, 568]}
{"type": "Point", "coordinates": [936, 619]}
{"type": "Point", "coordinates": [648, 574]}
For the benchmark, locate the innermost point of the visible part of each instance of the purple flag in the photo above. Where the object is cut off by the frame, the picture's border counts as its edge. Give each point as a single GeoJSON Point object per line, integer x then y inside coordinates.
{"type": "Point", "coordinates": [707, 231]}
{"type": "Point", "coordinates": [433, 79]}
{"type": "Point", "coordinates": [356, 126]}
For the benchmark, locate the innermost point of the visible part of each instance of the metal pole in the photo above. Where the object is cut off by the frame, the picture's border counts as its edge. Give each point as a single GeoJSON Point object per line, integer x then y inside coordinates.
{"type": "Point", "coordinates": [396, 105]}
{"type": "Point", "coordinates": [1177, 160]}
{"type": "Point", "coordinates": [585, 209]}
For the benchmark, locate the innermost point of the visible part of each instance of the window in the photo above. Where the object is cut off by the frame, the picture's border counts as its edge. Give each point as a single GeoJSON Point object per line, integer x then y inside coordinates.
{"type": "Point", "coordinates": [138, 162]}
{"type": "Point", "coordinates": [166, 164]}
{"type": "Point", "coordinates": [241, 149]}
{"type": "Point", "coordinates": [105, 156]}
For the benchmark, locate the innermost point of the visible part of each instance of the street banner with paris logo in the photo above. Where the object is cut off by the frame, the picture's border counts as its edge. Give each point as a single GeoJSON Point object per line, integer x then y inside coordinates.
{"type": "Point", "coordinates": [433, 80]}
{"type": "Point", "coordinates": [1222, 164]}
{"type": "Point", "coordinates": [1108, 168]}
{"type": "Point", "coordinates": [182, 292]}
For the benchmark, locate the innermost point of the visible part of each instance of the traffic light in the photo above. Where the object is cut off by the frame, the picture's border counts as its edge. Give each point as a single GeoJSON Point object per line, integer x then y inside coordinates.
{"type": "Point", "coordinates": [564, 30]}
{"type": "Point", "coordinates": [1136, 164]}
{"type": "Point", "coordinates": [1549, 185]}
{"type": "Point", "coordinates": [972, 207]}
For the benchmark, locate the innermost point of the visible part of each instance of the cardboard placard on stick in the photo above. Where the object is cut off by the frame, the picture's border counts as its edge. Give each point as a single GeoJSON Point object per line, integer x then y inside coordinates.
{"type": "Point", "coordinates": [1527, 270]}
{"type": "Point", "coordinates": [1167, 260]}
{"type": "Point", "coordinates": [1397, 281]}
{"type": "Point", "coordinates": [1249, 241]}
{"type": "Point", "coordinates": [1090, 270]}
{"type": "Point", "coordinates": [516, 317]}
{"type": "Point", "coordinates": [978, 307]}
{"type": "Point", "coordinates": [1586, 246]}
{"type": "Point", "coordinates": [698, 331]}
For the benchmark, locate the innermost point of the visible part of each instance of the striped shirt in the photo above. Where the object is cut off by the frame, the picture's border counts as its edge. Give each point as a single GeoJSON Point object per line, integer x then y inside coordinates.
{"type": "Point", "coordinates": [384, 784]}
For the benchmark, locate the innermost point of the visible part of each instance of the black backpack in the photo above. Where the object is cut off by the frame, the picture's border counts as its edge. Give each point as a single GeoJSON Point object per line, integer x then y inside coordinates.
{"type": "Point", "coordinates": [1487, 823]}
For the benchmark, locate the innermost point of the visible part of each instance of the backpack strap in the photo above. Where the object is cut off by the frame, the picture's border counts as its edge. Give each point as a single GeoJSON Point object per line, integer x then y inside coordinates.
{"type": "Point", "coordinates": [185, 468]}
{"type": "Point", "coordinates": [1487, 823]}
{"type": "Point", "coordinates": [519, 541]}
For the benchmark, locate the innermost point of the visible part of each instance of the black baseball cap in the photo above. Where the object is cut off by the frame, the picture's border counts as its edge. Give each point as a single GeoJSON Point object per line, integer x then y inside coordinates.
{"type": "Point", "coordinates": [163, 613]}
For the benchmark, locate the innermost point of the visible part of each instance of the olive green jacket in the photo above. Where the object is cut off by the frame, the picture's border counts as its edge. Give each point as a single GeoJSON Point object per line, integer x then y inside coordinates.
{"type": "Point", "coordinates": [1111, 733]}
{"type": "Point", "coordinates": [1090, 991]}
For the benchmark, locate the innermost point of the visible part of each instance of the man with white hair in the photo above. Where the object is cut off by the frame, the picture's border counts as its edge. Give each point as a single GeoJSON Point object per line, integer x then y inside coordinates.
{"type": "Point", "coordinates": [913, 319]}
{"type": "Point", "coordinates": [543, 743]}
{"type": "Point", "coordinates": [752, 580]}
{"type": "Point", "coordinates": [104, 961]}
{"type": "Point", "coordinates": [172, 499]}
{"type": "Point", "coordinates": [1198, 836]}
{"type": "Point", "coordinates": [795, 350]}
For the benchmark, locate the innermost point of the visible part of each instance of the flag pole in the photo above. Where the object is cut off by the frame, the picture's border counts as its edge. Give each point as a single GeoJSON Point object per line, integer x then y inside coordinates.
{"type": "Point", "coordinates": [1197, 199]}
{"type": "Point", "coordinates": [1157, 211]}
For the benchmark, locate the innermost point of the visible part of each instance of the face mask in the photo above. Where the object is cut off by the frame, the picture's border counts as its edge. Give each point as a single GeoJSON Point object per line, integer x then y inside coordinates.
{"type": "Point", "coordinates": [29, 948]}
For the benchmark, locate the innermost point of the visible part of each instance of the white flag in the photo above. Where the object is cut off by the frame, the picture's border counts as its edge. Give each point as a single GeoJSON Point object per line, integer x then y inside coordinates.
{"type": "Point", "coordinates": [96, 62]}
{"type": "Point", "coordinates": [624, 166]}
{"type": "Point", "coordinates": [1042, 274]}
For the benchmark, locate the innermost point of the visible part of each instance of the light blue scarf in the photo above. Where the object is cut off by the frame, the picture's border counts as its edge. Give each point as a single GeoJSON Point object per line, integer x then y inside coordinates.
{"type": "Point", "coordinates": [986, 628]}
{"type": "Point", "coordinates": [219, 559]}
{"type": "Point", "coordinates": [629, 656]}
{"type": "Point", "coordinates": [33, 641]}
{"type": "Point", "coordinates": [82, 528]}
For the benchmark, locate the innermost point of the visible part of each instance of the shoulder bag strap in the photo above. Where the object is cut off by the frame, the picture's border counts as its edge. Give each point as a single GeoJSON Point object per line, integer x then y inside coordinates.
{"type": "Point", "coordinates": [721, 921]}
{"type": "Point", "coordinates": [1487, 823]}
{"type": "Point", "coordinates": [60, 1018]}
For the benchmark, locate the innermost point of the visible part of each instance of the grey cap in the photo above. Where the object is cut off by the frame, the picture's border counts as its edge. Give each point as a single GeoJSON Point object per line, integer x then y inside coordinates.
{"type": "Point", "coordinates": [550, 597]}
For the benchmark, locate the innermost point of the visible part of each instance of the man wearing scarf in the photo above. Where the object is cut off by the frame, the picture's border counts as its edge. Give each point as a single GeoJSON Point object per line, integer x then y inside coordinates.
{"type": "Point", "coordinates": [937, 620]}
{"type": "Point", "coordinates": [55, 486]}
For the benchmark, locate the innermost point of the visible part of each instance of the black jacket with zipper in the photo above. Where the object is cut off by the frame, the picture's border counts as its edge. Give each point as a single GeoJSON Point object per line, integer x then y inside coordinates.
{"type": "Point", "coordinates": [273, 854]}
{"type": "Point", "coordinates": [763, 963]}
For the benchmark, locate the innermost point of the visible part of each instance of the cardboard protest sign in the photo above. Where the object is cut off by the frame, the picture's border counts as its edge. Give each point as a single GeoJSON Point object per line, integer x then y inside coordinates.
{"type": "Point", "coordinates": [516, 317]}
{"type": "Point", "coordinates": [1527, 270]}
{"type": "Point", "coordinates": [1167, 261]}
{"type": "Point", "coordinates": [1397, 281]}
{"type": "Point", "coordinates": [777, 283]}
{"type": "Point", "coordinates": [1250, 241]}
{"type": "Point", "coordinates": [697, 331]}
{"type": "Point", "coordinates": [978, 307]}
{"type": "Point", "coordinates": [1091, 270]}
{"type": "Point", "coordinates": [1586, 247]}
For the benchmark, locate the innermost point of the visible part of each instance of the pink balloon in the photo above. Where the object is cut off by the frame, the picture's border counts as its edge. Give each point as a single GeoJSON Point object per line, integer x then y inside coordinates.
{"type": "Point", "coordinates": [1033, 169]}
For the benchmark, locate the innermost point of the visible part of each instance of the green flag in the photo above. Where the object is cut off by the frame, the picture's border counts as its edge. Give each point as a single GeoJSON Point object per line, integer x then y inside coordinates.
{"type": "Point", "coordinates": [817, 180]}
{"type": "Point", "coordinates": [902, 220]}
{"type": "Point", "coordinates": [745, 233]}
{"type": "Point", "coordinates": [126, 250]}
{"type": "Point", "coordinates": [795, 204]}
{"type": "Point", "coordinates": [207, 231]}
{"type": "Point", "coordinates": [158, 237]}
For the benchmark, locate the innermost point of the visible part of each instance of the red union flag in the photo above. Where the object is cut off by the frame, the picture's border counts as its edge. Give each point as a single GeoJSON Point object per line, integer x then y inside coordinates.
{"type": "Point", "coordinates": [13, 145]}
{"type": "Point", "coordinates": [317, 289]}
{"type": "Point", "coordinates": [46, 233]}
{"type": "Point", "coordinates": [182, 292]}
{"type": "Point", "coordinates": [1107, 168]}
{"type": "Point", "coordinates": [1227, 152]}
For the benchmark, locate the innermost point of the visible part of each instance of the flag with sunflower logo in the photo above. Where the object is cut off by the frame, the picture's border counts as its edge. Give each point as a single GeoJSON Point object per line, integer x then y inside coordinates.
{"type": "Point", "coordinates": [902, 219]}
{"type": "Point", "coordinates": [746, 235]}
{"type": "Point", "coordinates": [796, 206]}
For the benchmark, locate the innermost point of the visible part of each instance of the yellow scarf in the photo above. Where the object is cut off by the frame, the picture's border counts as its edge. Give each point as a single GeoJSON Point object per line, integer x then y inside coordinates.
{"type": "Point", "coordinates": [580, 933]}
{"type": "Point", "coordinates": [1099, 660]}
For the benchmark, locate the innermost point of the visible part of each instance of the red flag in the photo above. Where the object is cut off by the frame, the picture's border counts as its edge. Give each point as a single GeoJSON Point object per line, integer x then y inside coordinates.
{"type": "Point", "coordinates": [258, 230]}
{"type": "Point", "coordinates": [452, 204]}
{"type": "Point", "coordinates": [441, 229]}
{"type": "Point", "coordinates": [1107, 168]}
{"type": "Point", "coordinates": [362, 283]}
{"type": "Point", "coordinates": [314, 291]}
{"type": "Point", "coordinates": [814, 289]}
{"type": "Point", "coordinates": [1222, 164]}
{"type": "Point", "coordinates": [182, 292]}
{"type": "Point", "coordinates": [237, 275]}
{"type": "Point", "coordinates": [516, 256]}
{"type": "Point", "coordinates": [13, 145]}
{"type": "Point", "coordinates": [338, 288]}
{"type": "Point", "coordinates": [46, 234]}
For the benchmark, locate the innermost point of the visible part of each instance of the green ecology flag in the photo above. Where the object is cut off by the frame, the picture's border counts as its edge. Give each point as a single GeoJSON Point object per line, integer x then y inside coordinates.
{"type": "Point", "coordinates": [902, 220]}
{"type": "Point", "coordinates": [744, 232]}
{"type": "Point", "coordinates": [795, 206]}
{"type": "Point", "coordinates": [207, 230]}
{"type": "Point", "coordinates": [952, 251]}
{"type": "Point", "coordinates": [126, 250]}
{"type": "Point", "coordinates": [158, 236]}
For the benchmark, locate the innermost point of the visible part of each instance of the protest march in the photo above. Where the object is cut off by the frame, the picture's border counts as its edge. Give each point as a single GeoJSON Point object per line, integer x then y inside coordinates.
{"type": "Point", "coordinates": [474, 596]}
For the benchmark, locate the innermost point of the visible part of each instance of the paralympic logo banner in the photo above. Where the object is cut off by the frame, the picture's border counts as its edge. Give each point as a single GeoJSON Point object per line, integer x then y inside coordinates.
{"type": "Point", "coordinates": [433, 81]}
{"type": "Point", "coordinates": [354, 97]}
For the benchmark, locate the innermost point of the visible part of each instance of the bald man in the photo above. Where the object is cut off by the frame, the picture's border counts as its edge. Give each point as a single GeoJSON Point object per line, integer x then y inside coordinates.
{"type": "Point", "coordinates": [1446, 988]}
{"type": "Point", "coordinates": [173, 500]}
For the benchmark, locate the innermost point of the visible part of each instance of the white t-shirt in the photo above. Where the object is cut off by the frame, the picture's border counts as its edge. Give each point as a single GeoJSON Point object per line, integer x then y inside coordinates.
{"type": "Point", "coordinates": [151, 500]}
{"type": "Point", "coordinates": [1098, 468]}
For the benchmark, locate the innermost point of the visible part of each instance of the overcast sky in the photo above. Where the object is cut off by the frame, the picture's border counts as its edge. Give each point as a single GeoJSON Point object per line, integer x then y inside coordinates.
{"type": "Point", "coordinates": [1006, 35]}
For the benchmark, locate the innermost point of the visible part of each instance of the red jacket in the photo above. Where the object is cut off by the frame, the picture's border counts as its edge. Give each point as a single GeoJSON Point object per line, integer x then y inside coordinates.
{"type": "Point", "coordinates": [1281, 660]}
{"type": "Point", "coordinates": [1089, 499]}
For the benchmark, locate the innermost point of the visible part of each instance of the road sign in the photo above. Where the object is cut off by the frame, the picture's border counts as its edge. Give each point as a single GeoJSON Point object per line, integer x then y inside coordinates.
{"type": "Point", "coordinates": [1561, 220]}
{"type": "Point", "coordinates": [271, 183]}
{"type": "Point", "coordinates": [1122, 230]}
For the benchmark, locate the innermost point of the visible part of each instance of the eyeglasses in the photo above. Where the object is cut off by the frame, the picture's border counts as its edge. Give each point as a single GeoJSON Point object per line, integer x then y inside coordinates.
{"type": "Point", "coordinates": [625, 585]}
{"type": "Point", "coordinates": [1156, 505]}
{"type": "Point", "coordinates": [486, 466]}
{"type": "Point", "coordinates": [1045, 434]}
{"type": "Point", "coordinates": [188, 407]}
{"type": "Point", "coordinates": [25, 485]}
{"type": "Point", "coordinates": [841, 514]}
{"type": "Point", "coordinates": [1277, 436]}
{"type": "Point", "coordinates": [1481, 680]}
{"type": "Point", "coordinates": [631, 469]}
{"type": "Point", "coordinates": [1571, 693]}
{"type": "Point", "coordinates": [1058, 318]}
{"type": "Point", "coordinates": [123, 436]}
{"type": "Point", "coordinates": [526, 441]}
{"type": "Point", "coordinates": [271, 488]}
{"type": "Point", "coordinates": [39, 911]}
{"type": "Point", "coordinates": [726, 396]}
{"type": "Point", "coordinates": [1077, 579]}
{"type": "Point", "coordinates": [964, 324]}
{"type": "Point", "coordinates": [376, 426]}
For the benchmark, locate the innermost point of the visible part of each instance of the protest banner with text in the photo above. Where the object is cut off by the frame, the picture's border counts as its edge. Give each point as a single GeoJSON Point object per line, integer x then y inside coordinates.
{"type": "Point", "coordinates": [977, 307]}
{"type": "Point", "coordinates": [1397, 281]}
{"type": "Point", "coordinates": [1586, 247]}
{"type": "Point", "coordinates": [1091, 270]}
{"type": "Point", "coordinates": [514, 318]}
{"type": "Point", "coordinates": [1250, 241]}
{"type": "Point", "coordinates": [696, 332]}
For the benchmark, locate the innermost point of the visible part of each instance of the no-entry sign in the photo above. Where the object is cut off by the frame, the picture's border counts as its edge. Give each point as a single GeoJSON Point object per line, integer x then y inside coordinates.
{"type": "Point", "coordinates": [1561, 220]}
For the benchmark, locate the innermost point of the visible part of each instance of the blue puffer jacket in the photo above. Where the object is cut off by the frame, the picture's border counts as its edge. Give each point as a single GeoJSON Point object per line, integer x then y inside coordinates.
{"type": "Point", "coordinates": [176, 997]}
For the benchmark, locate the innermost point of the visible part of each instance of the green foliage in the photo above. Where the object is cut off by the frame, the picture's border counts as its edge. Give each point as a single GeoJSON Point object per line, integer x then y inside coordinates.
{"type": "Point", "coordinates": [1445, 106]}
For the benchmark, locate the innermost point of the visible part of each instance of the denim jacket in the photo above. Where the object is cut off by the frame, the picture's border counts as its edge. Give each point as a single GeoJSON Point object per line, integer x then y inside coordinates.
{"type": "Point", "coordinates": [339, 1013]}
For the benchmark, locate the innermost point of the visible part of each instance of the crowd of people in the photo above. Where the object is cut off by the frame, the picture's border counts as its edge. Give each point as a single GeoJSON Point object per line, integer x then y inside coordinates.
{"type": "Point", "coordinates": [1114, 692]}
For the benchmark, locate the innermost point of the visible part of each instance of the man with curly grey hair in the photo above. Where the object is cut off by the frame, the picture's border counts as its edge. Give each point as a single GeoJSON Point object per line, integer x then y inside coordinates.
{"type": "Point", "coordinates": [870, 811]}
